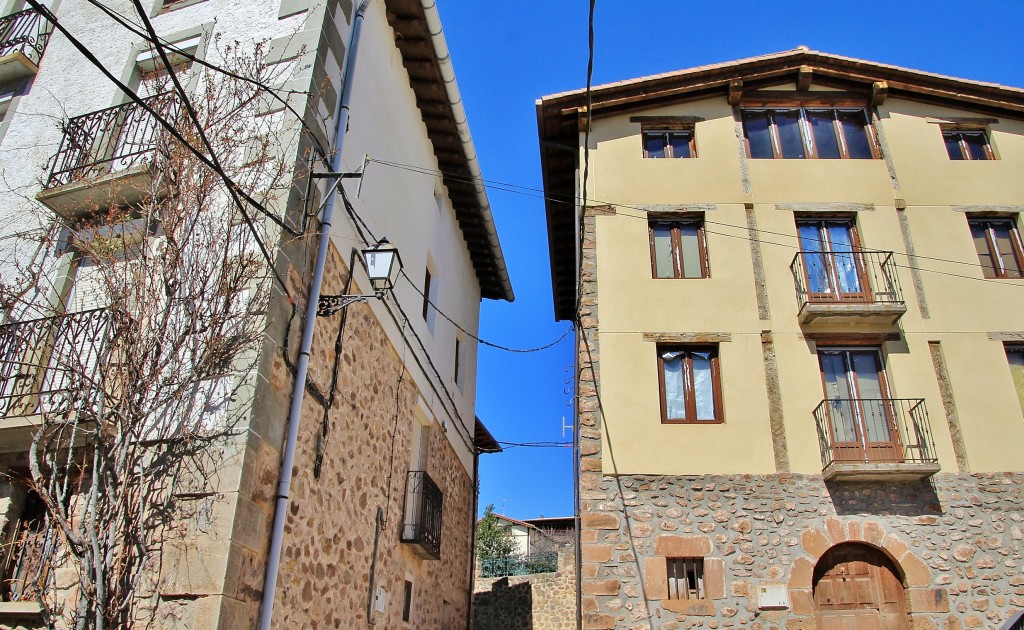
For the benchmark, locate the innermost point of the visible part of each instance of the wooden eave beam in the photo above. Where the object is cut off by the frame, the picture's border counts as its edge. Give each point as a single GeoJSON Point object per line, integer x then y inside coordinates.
{"type": "Point", "coordinates": [803, 78]}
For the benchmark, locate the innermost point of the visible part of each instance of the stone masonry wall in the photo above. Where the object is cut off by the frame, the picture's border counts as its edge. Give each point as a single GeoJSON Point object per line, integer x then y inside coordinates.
{"type": "Point", "coordinates": [328, 553]}
{"type": "Point", "coordinates": [543, 601]}
{"type": "Point", "coordinates": [956, 539]}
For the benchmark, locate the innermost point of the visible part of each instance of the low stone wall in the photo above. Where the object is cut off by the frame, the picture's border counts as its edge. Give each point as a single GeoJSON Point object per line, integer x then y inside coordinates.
{"type": "Point", "coordinates": [542, 601]}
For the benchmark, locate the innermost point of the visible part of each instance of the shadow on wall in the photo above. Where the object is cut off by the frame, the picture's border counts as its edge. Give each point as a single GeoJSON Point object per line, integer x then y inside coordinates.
{"type": "Point", "coordinates": [504, 607]}
{"type": "Point", "coordinates": [912, 498]}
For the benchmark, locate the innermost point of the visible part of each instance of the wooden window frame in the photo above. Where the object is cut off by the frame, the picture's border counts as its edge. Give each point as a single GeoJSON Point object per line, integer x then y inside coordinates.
{"type": "Point", "coordinates": [829, 255]}
{"type": "Point", "coordinates": [677, 246]}
{"type": "Point", "coordinates": [806, 132]}
{"type": "Point", "coordinates": [666, 134]}
{"type": "Point", "coordinates": [960, 131]}
{"type": "Point", "coordinates": [691, 403]}
{"type": "Point", "coordinates": [993, 247]}
{"type": "Point", "coordinates": [678, 570]}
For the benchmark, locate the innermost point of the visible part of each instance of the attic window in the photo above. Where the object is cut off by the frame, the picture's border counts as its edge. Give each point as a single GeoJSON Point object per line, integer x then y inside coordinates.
{"type": "Point", "coordinates": [808, 133]}
{"type": "Point", "coordinates": [967, 144]}
{"type": "Point", "coordinates": [668, 136]}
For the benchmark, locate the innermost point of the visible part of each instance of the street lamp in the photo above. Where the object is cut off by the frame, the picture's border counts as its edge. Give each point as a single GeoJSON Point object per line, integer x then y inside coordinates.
{"type": "Point", "coordinates": [383, 264]}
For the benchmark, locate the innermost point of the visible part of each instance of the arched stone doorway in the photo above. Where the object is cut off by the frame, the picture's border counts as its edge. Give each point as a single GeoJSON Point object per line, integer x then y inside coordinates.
{"type": "Point", "coordinates": [857, 587]}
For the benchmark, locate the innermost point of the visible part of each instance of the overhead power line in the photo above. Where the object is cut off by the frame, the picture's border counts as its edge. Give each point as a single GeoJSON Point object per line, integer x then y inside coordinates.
{"type": "Point", "coordinates": [528, 192]}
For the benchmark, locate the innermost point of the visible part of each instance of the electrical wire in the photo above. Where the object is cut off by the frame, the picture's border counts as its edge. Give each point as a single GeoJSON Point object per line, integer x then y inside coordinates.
{"type": "Point", "coordinates": [517, 189]}
{"type": "Point", "coordinates": [92, 59]}
{"type": "Point", "coordinates": [134, 28]}
{"type": "Point", "coordinates": [368, 236]}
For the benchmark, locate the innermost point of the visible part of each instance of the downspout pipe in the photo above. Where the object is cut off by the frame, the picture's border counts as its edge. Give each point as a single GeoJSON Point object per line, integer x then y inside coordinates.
{"type": "Point", "coordinates": [302, 367]}
{"type": "Point", "coordinates": [444, 60]}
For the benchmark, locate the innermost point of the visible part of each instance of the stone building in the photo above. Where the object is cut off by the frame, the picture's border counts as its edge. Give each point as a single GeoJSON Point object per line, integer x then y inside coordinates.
{"type": "Point", "coordinates": [797, 283]}
{"type": "Point", "coordinates": [379, 519]}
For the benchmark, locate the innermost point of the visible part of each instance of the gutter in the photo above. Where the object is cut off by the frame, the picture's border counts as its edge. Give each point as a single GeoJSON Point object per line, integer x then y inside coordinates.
{"type": "Point", "coordinates": [451, 88]}
{"type": "Point", "coordinates": [313, 300]}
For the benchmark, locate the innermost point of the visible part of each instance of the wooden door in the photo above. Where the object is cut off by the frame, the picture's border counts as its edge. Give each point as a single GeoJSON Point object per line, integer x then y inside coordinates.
{"type": "Point", "coordinates": [863, 423]}
{"type": "Point", "coordinates": [856, 587]}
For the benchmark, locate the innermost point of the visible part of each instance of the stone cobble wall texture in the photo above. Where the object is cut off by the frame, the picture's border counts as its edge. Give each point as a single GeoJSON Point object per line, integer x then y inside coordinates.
{"type": "Point", "coordinates": [956, 538]}
{"type": "Point", "coordinates": [328, 553]}
{"type": "Point", "coordinates": [543, 601]}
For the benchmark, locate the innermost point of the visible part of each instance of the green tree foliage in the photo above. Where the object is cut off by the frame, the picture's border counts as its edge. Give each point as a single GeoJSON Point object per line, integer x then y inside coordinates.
{"type": "Point", "coordinates": [493, 539]}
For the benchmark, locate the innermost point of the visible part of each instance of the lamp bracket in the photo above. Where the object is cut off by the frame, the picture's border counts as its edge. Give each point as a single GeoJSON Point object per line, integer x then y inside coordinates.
{"type": "Point", "coordinates": [331, 304]}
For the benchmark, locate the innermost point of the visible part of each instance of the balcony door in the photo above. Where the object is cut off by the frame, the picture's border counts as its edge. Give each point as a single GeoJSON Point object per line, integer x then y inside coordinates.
{"type": "Point", "coordinates": [833, 271]}
{"type": "Point", "coordinates": [860, 414]}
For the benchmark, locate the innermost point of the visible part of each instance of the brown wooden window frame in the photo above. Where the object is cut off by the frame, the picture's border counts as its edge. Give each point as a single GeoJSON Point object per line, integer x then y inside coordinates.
{"type": "Point", "coordinates": [674, 223]}
{"type": "Point", "coordinates": [666, 135]}
{"type": "Point", "coordinates": [807, 133]}
{"type": "Point", "coordinates": [959, 132]}
{"type": "Point", "coordinates": [997, 269]}
{"type": "Point", "coordinates": [690, 397]}
{"type": "Point", "coordinates": [686, 578]}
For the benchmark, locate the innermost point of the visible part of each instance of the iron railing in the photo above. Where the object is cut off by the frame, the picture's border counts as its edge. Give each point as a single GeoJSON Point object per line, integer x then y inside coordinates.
{"type": "Point", "coordinates": [26, 556]}
{"type": "Point", "coordinates": [1015, 623]}
{"type": "Point", "coordinates": [858, 277]}
{"type": "Point", "coordinates": [52, 365]}
{"type": "Point", "coordinates": [519, 564]}
{"type": "Point", "coordinates": [423, 503]}
{"type": "Point", "coordinates": [110, 140]}
{"type": "Point", "coordinates": [25, 32]}
{"type": "Point", "coordinates": [874, 431]}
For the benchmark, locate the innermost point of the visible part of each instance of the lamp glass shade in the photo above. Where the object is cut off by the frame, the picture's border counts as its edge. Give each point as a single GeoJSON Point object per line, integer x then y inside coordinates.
{"type": "Point", "coordinates": [382, 266]}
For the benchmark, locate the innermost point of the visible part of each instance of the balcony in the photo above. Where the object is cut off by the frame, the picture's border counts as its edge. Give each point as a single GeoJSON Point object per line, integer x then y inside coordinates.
{"type": "Point", "coordinates": [875, 439]}
{"type": "Point", "coordinates": [421, 527]}
{"type": "Point", "coordinates": [107, 159]}
{"type": "Point", "coordinates": [848, 287]}
{"type": "Point", "coordinates": [23, 38]}
{"type": "Point", "coordinates": [50, 366]}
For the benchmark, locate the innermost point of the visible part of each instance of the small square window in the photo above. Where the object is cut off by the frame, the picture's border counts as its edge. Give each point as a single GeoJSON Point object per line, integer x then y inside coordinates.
{"type": "Point", "coordinates": [685, 578]}
{"type": "Point", "coordinates": [967, 144]}
{"type": "Point", "coordinates": [999, 248]}
{"type": "Point", "coordinates": [678, 249]}
{"type": "Point", "coordinates": [669, 144]}
{"type": "Point", "coordinates": [691, 384]}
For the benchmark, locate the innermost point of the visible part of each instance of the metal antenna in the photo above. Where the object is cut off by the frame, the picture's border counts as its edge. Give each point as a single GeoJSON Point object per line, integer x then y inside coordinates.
{"type": "Point", "coordinates": [565, 426]}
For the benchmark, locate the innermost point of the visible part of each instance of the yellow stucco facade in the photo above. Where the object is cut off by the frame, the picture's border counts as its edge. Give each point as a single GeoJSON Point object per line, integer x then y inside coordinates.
{"type": "Point", "coordinates": [964, 308]}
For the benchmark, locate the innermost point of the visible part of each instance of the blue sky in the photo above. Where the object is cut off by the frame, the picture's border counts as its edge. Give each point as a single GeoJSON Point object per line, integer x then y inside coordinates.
{"type": "Point", "coordinates": [507, 55]}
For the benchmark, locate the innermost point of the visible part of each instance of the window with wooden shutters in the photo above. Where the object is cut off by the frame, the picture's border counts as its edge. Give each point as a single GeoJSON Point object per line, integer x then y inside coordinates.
{"type": "Point", "coordinates": [998, 243]}
{"type": "Point", "coordinates": [685, 578]}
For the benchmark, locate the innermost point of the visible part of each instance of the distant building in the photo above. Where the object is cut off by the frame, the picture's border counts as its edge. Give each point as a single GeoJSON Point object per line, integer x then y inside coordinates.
{"type": "Point", "coordinates": [798, 285]}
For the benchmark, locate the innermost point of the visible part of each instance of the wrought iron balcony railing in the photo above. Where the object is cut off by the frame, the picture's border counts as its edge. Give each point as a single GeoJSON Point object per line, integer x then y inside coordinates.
{"type": "Point", "coordinates": [25, 32]}
{"type": "Point", "coordinates": [421, 527]}
{"type": "Point", "coordinates": [110, 140]}
{"type": "Point", "coordinates": [873, 432]}
{"type": "Point", "coordinates": [846, 278]}
{"type": "Point", "coordinates": [52, 365]}
{"type": "Point", "coordinates": [25, 556]}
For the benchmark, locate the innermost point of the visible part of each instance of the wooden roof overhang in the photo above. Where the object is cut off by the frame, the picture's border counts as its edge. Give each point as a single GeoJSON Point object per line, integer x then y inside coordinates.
{"type": "Point", "coordinates": [562, 117]}
{"type": "Point", "coordinates": [413, 39]}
